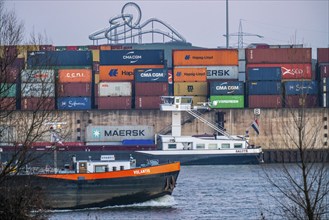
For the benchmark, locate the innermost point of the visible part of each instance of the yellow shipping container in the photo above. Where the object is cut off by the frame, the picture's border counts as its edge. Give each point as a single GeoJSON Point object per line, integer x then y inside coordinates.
{"type": "Point", "coordinates": [191, 88]}
{"type": "Point", "coordinates": [199, 100]}
{"type": "Point", "coordinates": [96, 78]}
{"type": "Point", "coordinates": [23, 49]}
{"type": "Point", "coordinates": [95, 55]}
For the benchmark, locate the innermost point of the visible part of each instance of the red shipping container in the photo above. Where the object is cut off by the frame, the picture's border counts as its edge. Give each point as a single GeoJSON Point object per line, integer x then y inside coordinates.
{"type": "Point", "coordinates": [74, 89]}
{"type": "Point", "coordinates": [151, 89]}
{"type": "Point", "coordinates": [265, 101]}
{"type": "Point", "coordinates": [10, 75]}
{"type": "Point", "coordinates": [147, 102]}
{"type": "Point", "coordinates": [114, 103]}
{"type": "Point", "coordinates": [38, 104]}
{"type": "Point", "coordinates": [71, 47]}
{"type": "Point", "coordinates": [324, 71]}
{"type": "Point", "coordinates": [279, 55]}
{"type": "Point", "coordinates": [300, 101]}
{"type": "Point", "coordinates": [290, 70]}
{"type": "Point", "coordinates": [7, 104]}
{"type": "Point", "coordinates": [93, 47]}
{"type": "Point", "coordinates": [47, 48]}
{"type": "Point", "coordinates": [323, 55]}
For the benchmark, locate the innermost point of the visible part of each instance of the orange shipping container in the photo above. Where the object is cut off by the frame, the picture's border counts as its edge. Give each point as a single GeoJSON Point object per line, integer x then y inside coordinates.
{"type": "Point", "coordinates": [210, 57]}
{"type": "Point", "coordinates": [121, 73]}
{"type": "Point", "coordinates": [190, 74]}
{"type": "Point", "coordinates": [75, 75]}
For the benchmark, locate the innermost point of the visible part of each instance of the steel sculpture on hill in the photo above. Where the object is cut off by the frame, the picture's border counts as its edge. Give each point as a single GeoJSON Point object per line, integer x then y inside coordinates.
{"type": "Point", "coordinates": [127, 26]}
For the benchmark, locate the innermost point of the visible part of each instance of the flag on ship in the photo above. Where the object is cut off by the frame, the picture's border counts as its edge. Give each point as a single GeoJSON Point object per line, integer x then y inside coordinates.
{"type": "Point", "coordinates": [255, 126]}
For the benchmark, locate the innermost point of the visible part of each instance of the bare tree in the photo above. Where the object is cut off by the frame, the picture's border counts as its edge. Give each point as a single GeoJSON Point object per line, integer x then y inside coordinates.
{"type": "Point", "coordinates": [301, 187]}
{"type": "Point", "coordinates": [19, 130]}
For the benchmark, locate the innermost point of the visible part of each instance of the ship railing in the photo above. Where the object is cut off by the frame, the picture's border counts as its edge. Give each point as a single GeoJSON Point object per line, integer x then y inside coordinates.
{"type": "Point", "coordinates": [197, 115]}
{"type": "Point", "coordinates": [188, 118]}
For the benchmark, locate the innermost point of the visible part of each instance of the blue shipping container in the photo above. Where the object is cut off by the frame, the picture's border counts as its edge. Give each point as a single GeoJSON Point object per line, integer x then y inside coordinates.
{"type": "Point", "coordinates": [226, 88]}
{"type": "Point", "coordinates": [264, 73]}
{"type": "Point", "coordinates": [131, 57]}
{"type": "Point", "coordinates": [151, 75]}
{"type": "Point", "coordinates": [59, 58]}
{"type": "Point", "coordinates": [301, 87]}
{"type": "Point", "coordinates": [138, 142]}
{"type": "Point", "coordinates": [265, 88]}
{"type": "Point", "coordinates": [74, 103]}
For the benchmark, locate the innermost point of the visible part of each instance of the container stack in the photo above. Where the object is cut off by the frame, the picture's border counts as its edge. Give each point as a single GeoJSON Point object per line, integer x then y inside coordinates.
{"type": "Point", "coordinates": [194, 69]}
{"type": "Point", "coordinates": [117, 74]}
{"type": "Point", "coordinates": [273, 65]}
{"type": "Point", "coordinates": [150, 85]}
{"type": "Point", "coordinates": [38, 89]}
{"type": "Point", "coordinates": [74, 75]}
{"type": "Point", "coordinates": [74, 88]}
{"type": "Point", "coordinates": [323, 73]}
{"type": "Point", "coordinates": [10, 84]}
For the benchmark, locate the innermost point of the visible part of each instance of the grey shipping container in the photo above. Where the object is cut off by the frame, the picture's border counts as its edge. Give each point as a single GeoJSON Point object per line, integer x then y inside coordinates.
{"type": "Point", "coordinates": [222, 72]}
{"type": "Point", "coordinates": [118, 133]}
{"type": "Point", "coordinates": [38, 89]}
{"type": "Point", "coordinates": [114, 89]}
{"type": "Point", "coordinates": [38, 76]}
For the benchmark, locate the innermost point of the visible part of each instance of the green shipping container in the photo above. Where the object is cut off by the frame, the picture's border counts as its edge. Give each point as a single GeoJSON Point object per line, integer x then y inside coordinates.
{"type": "Point", "coordinates": [227, 101]}
{"type": "Point", "coordinates": [191, 88]}
{"type": "Point", "coordinates": [7, 90]}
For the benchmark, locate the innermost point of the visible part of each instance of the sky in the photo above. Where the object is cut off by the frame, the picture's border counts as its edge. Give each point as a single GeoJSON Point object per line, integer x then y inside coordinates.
{"type": "Point", "coordinates": [202, 23]}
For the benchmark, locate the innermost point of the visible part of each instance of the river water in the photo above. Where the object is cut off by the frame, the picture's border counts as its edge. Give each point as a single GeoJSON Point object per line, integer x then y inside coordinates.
{"type": "Point", "coordinates": [202, 192]}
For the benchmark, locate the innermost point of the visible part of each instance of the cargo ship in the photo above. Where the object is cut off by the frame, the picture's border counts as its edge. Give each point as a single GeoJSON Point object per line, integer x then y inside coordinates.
{"type": "Point", "coordinates": [102, 183]}
{"type": "Point", "coordinates": [200, 149]}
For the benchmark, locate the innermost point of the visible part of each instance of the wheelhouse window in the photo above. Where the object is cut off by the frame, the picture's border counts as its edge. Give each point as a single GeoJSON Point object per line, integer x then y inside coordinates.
{"type": "Point", "coordinates": [212, 146]}
{"type": "Point", "coordinates": [225, 146]}
{"type": "Point", "coordinates": [171, 146]}
{"type": "Point", "coordinates": [100, 168]}
{"type": "Point", "coordinates": [200, 146]}
{"type": "Point", "coordinates": [237, 145]}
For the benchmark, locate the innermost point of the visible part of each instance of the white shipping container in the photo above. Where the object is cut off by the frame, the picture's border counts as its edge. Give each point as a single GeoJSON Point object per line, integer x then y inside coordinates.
{"type": "Point", "coordinates": [38, 90]}
{"type": "Point", "coordinates": [38, 76]}
{"type": "Point", "coordinates": [222, 72]}
{"type": "Point", "coordinates": [114, 89]}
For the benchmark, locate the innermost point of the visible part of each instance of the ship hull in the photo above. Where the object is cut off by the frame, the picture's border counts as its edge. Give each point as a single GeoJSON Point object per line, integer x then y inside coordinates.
{"type": "Point", "coordinates": [142, 156]}
{"type": "Point", "coordinates": [203, 158]}
{"type": "Point", "coordinates": [81, 191]}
